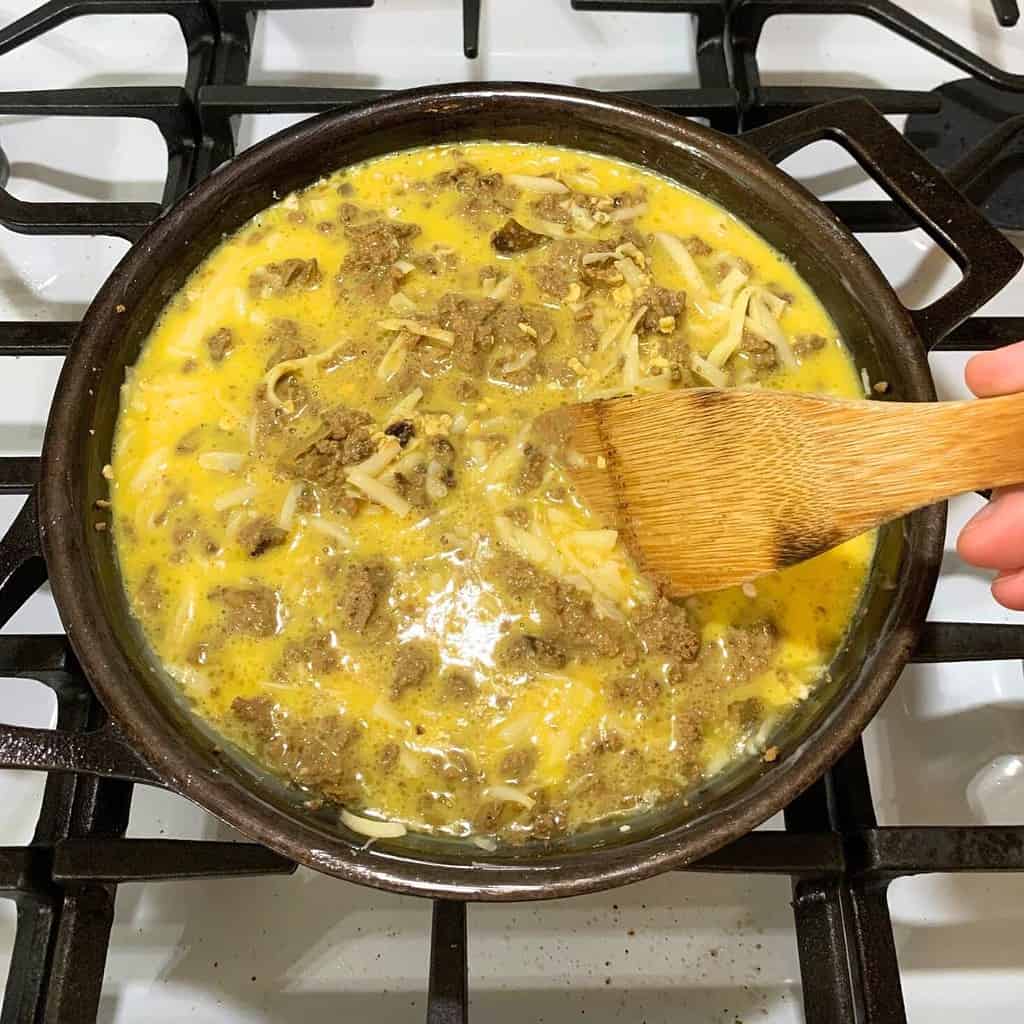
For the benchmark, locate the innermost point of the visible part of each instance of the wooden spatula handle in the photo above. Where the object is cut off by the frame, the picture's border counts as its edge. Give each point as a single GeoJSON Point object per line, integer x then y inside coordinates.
{"type": "Point", "coordinates": [911, 455]}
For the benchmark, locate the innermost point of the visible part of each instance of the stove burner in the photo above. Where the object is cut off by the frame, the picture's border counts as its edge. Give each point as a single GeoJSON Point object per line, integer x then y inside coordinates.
{"type": "Point", "coordinates": [838, 858]}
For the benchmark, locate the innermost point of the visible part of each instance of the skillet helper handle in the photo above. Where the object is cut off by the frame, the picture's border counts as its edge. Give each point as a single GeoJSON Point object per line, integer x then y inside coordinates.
{"type": "Point", "coordinates": [103, 752]}
{"type": "Point", "coordinates": [986, 258]}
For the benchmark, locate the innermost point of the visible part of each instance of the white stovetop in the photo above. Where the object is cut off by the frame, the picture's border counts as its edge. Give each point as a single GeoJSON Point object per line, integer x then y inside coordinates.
{"type": "Point", "coordinates": [685, 947]}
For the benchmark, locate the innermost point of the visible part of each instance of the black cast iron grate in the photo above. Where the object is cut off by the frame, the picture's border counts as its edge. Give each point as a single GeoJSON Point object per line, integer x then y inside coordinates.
{"type": "Point", "coordinates": [840, 861]}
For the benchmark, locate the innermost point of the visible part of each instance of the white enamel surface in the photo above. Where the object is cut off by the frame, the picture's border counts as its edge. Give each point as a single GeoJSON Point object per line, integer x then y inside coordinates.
{"type": "Point", "coordinates": [946, 748]}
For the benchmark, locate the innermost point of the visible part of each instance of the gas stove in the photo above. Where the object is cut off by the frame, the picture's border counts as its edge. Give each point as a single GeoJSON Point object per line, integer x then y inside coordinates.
{"type": "Point", "coordinates": [893, 890]}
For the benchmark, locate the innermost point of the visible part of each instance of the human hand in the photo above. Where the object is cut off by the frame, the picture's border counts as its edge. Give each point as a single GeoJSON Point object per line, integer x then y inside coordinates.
{"type": "Point", "coordinates": [994, 538]}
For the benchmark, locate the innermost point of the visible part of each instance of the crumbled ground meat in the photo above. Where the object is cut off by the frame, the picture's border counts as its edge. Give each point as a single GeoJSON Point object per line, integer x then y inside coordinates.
{"type": "Point", "coordinates": [637, 688]}
{"type": "Point", "coordinates": [249, 610]}
{"type": "Point", "coordinates": [479, 194]}
{"type": "Point", "coordinates": [316, 653]}
{"type": "Point", "coordinates": [286, 346]}
{"type": "Point", "coordinates": [601, 275]}
{"type": "Point", "coordinates": [316, 752]}
{"type": "Point", "coordinates": [805, 344]}
{"type": "Point", "coordinates": [750, 649]}
{"type": "Point", "coordinates": [664, 629]}
{"type": "Point", "coordinates": [375, 247]}
{"type": "Point", "coordinates": [149, 595]}
{"type": "Point", "coordinates": [661, 303]}
{"type": "Point", "coordinates": [259, 535]}
{"type": "Point", "coordinates": [458, 686]}
{"type": "Point", "coordinates": [387, 757]}
{"type": "Point", "coordinates": [748, 713]}
{"type": "Point", "coordinates": [532, 469]}
{"type": "Point", "coordinates": [553, 207]}
{"type": "Point", "coordinates": [183, 533]}
{"type": "Point", "coordinates": [457, 766]}
{"type": "Point", "coordinates": [482, 325]}
{"type": "Point", "coordinates": [489, 816]}
{"type": "Point", "coordinates": [284, 338]}
{"type": "Point", "coordinates": [174, 500]}
{"type": "Point", "coordinates": [697, 246]}
{"type": "Point", "coordinates": [689, 734]}
{"type": "Point", "coordinates": [524, 651]}
{"type": "Point", "coordinates": [547, 822]}
{"type": "Point", "coordinates": [610, 742]}
{"type": "Point", "coordinates": [292, 275]}
{"type": "Point", "coordinates": [412, 486]}
{"type": "Point", "coordinates": [220, 343]}
{"type": "Point", "coordinates": [342, 440]}
{"type": "Point", "coordinates": [581, 628]}
{"type": "Point", "coordinates": [363, 605]}
{"type": "Point", "coordinates": [519, 515]}
{"type": "Point", "coordinates": [759, 351]}
{"type": "Point", "coordinates": [443, 452]}
{"type": "Point", "coordinates": [255, 715]}
{"type": "Point", "coordinates": [564, 265]}
{"type": "Point", "coordinates": [512, 237]}
{"type": "Point", "coordinates": [414, 661]}
{"type": "Point", "coordinates": [441, 261]}
{"type": "Point", "coordinates": [517, 765]}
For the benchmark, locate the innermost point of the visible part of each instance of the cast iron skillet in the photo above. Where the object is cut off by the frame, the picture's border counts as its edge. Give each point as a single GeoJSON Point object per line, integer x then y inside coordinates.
{"type": "Point", "coordinates": [887, 340]}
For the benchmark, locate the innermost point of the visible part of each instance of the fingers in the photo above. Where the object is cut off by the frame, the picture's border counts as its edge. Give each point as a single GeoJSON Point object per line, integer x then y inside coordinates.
{"type": "Point", "coordinates": [1008, 590]}
{"type": "Point", "coordinates": [994, 538]}
{"type": "Point", "coordinates": [999, 372]}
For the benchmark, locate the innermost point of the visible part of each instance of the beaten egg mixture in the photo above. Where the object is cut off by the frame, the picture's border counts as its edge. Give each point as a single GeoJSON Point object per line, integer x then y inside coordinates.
{"type": "Point", "coordinates": [343, 543]}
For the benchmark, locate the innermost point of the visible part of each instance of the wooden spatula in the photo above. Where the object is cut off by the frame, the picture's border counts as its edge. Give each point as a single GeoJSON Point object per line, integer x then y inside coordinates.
{"type": "Point", "coordinates": [712, 487]}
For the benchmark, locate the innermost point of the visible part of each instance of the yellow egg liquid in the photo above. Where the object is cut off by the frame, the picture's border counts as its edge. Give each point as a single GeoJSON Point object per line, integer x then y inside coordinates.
{"type": "Point", "coordinates": [342, 543]}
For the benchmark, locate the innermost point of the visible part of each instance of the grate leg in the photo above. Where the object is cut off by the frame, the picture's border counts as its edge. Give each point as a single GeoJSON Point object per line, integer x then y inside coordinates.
{"type": "Point", "coordinates": [448, 994]}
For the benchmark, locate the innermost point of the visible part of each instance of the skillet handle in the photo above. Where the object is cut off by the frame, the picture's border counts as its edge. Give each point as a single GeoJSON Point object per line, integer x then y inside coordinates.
{"type": "Point", "coordinates": [103, 752]}
{"type": "Point", "coordinates": [987, 259]}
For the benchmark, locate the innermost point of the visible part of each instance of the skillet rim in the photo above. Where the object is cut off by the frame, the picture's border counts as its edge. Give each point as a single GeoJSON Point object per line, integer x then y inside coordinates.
{"type": "Point", "coordinates": [194, 773]}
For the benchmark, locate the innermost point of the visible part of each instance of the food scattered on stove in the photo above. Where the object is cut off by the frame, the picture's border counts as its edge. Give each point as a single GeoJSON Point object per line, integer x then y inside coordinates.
{"type": "Point", "coordinates": [347, 548]}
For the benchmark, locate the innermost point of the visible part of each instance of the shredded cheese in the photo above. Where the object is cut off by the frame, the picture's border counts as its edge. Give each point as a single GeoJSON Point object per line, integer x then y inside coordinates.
{"type": "Point", "coordinates": [401, 303]}
{"type": "Point", "coordinates": [222, 462]}
{"type": "Point", "coordinates": [405, 405]}
{"type": "Point", "coordinates": [768, 328]}
{"type": "Point", "coordinates": [389, 450]}
{"type": "Point", "coordinates": [722, 352]}
{"type": "Point", "coordinates": [287, 514]}
{"type": "Point", "coordinates": [627, 212]}
{"type": "Point", "coordinates": [330, 528]}
{"type": "Point", "coordinates": [230, 499]}
{"type": "Point", "coordinates": [534, 183]}
{"type": "Point", "coordinates": [274, 375]}
{"type": "Point", "coordinates": [509, 794]}
{"type": "Point", "coordinates": [420, 330]}
{"type": "Point", "coordinates": [372, 827]}
{"type": "Point", "coordinates": [680, 255]}
{"type": "Point", "coordinates": [711, 373]}
{"type": "Point", "coordinates": [380, 493]}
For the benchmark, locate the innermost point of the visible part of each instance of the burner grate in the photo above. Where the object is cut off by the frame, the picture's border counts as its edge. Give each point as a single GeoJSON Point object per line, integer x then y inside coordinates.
{"type": "Point", "coordinates": [838, 858]}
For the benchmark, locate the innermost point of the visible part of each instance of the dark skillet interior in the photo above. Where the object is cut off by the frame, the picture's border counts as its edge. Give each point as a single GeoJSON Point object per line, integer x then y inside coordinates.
{"type": "Point", "coordinates": [88, 589]}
